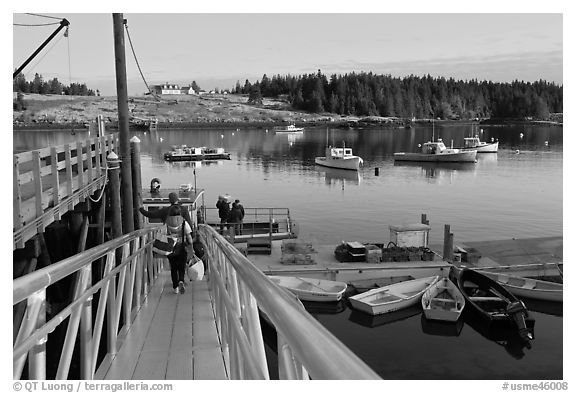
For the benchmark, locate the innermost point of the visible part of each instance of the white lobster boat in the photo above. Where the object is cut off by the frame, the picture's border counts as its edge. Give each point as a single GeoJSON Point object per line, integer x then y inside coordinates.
{"type": "Point", "coordinates": [437, 152]}
{"type": "Point", "coordinates": [340, 158]}
{"type": "Point", "coordinates": [474, 143]}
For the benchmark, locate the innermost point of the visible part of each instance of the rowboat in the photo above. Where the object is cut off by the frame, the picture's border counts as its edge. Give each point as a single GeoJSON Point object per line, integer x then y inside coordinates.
{"type": "Point", "coordinates": [312, 289]}
{"type": "Point", "coordinates": [443, 301]}
{"type": "Point", "coordinates": [529, 287]}
{"type": "Point", "coordinates": [437, 152]}
{"type": "Point", "coordinates": [392, 297]}
{"type": "Point", "coordinates": [493, 304]}
{"type": "Point", "coordinates": [474, 143]}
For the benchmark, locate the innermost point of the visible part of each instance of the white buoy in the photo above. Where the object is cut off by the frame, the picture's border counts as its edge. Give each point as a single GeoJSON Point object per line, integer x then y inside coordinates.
{"type": "Point", "coordinates": [222, 136]}
{"type": "Point", "coordinates": [546, 143]}
{"type": "Point", "coordinates": [232, 134]}
{"type": "Point", "coordinates": [517, 151]}
{"type": "Point", "coordinates": [521, 135]}
{"type": "Point", "coordinates": [161, 139]}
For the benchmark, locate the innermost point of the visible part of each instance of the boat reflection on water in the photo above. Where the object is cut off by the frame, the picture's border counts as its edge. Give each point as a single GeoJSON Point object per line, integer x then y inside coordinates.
{"type": "Point", "coordinates": [506, 337]}
{"type": "Point", "coordinates": [439, 170]}
{"type": "Point", "coordinates": [373, 321]}
{"type": "Point", "coordinates": [324, 307]}
{"type": "Point", "coordinates": [441, 328]}
{"type": "Point", "coordinates": [194, 164]}
{"type": "Point", "coordinates": [335, 177]}
{"type": "Point", "coordinates": [544, 307]}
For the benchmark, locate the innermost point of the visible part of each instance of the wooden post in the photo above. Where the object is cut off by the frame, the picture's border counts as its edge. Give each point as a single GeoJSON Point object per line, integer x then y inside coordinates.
{"type": "Point", "coordinates": [447, 252]}
{"type": "Point", "coordinates": [136, 181]}
{"type": "Point", "coordinates": [124, 132]}
{"type": "Point", "coordinates": [115, 201]}
{"type": "Point", "coordinates": [424, 220]}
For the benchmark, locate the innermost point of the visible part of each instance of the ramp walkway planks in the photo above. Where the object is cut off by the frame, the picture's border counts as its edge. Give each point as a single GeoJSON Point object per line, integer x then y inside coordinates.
{"type": "Point", "coordinates": [173, 337]}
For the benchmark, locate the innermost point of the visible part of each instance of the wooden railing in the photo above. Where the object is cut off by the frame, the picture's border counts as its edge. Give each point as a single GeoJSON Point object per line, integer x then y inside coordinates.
{"type": "Point", "coordinates": [51, 181]}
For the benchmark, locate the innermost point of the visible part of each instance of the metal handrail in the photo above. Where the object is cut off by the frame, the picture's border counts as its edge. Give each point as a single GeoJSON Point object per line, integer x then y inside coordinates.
{"type": "Point", "coordinates": [133, 275]}
{"type": "Point", "coordinates": [305, 347]}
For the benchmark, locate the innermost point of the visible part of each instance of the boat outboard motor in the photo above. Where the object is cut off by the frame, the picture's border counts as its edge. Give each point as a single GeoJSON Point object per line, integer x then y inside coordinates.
{"type": "Point", "coordinates": [155, 185]}
{"type": "Point", "coordinates": [518, 312]}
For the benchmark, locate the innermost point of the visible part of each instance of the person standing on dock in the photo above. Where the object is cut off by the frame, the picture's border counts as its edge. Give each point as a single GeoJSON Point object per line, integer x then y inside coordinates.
{"type": "Point", "coordinates": [223, 206]}
{"type": "Point", "coordinates": [237, 216]}
{"type": "Point", "coordinates": [178, 229]}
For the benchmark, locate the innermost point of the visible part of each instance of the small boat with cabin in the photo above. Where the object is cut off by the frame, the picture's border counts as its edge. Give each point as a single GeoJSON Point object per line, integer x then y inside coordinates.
{"type": "Point", "coordinates": [185, 153]}
{"type": "Point", "coordinates": [443, 301]}
{"type": "Point", "coordinates": [291, 128]}
{"type": "Point", "coordinates": [490, 302]}
{"type": "Point", "coordinates": [392, 297]}
{"type": "Point", "coordinates": [437, 152]}
{"type": "Point", "coordinates": [312, 289]}
{"type": "Point", "coordinates": [339, 158]}
{"type": "Point", "coordinates": [474, 143]}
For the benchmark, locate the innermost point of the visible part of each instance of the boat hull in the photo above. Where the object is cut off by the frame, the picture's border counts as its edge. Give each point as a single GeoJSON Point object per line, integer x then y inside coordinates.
{"type": "Point", "coordinates": [484, 148]}
{"type": "Point", "coordinates": [490, 309]}
{"type": "Point", "coordinates": [311, 289]}
{"type": "Point", "coordinates": [352, 163]}
{"type": "Point", "coordinates": [196, 157]}
{"type": "Point", "coordinates": [466, 156]}
{"type": "Point", "coordinates": [392, 297]}
{"type": "Point", "coordinates": [443, 301]}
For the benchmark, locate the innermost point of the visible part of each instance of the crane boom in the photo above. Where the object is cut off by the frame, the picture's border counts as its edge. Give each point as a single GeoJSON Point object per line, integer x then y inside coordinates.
{"type": "Point", "coordinates": [63, 23]}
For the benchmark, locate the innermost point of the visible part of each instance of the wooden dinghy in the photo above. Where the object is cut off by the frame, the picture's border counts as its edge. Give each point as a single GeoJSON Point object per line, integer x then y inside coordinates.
{"type": "Point", "coordinates": [392, 297]}
{"type": "Point", "coordinates": [529, 287]}
{"type": "Point", "coordinates": [493, 304]}
{"type": "Point", "coordinates": [443, 301]}
{"type": "Point", "coordinates": [312, 289]}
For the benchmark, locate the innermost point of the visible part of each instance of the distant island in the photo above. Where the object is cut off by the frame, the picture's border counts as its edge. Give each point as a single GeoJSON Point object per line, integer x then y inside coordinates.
{"type": "Point", "coordinates": [349, 100]}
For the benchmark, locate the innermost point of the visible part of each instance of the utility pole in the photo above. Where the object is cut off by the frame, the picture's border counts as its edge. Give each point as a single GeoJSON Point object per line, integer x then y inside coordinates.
{"type": "Point", "coordinates": [124, 132]}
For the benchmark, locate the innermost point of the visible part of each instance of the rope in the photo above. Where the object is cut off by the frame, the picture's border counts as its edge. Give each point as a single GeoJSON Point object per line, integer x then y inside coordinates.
{"type": "Point", "coordinates": [135, 58]}
{"type": "Point", "coordinates": [35, 25]}
{"type": "Point", "coordinates": [69, 67]}
{"type": "Point", "coordinates": [44, 16]}
{"type": "Point", "coordinates": [43, 56]}
{"type": "Point", "coordinates": [103, 188]}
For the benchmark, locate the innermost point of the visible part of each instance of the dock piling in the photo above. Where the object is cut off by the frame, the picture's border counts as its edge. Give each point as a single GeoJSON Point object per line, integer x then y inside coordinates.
{"type": "Point", "coordinates": [448, 244]}
{"type": "Point", "coordinates": [114, 175]}
{"type": "Point", "coordinates": [136, 181]}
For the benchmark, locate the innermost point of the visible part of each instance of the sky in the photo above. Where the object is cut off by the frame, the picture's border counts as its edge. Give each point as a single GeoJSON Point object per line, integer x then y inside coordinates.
{"type": "Point", "coordinates": [218, 49]}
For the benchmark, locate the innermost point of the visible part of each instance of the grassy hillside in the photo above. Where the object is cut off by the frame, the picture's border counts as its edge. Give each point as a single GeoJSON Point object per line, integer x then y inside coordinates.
{"type": "Point", "coordinates": [189, 109]}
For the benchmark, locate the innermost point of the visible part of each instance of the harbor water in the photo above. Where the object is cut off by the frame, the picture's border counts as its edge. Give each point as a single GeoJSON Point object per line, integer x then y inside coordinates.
{"type": "Point", "coordinates": [516, 193]}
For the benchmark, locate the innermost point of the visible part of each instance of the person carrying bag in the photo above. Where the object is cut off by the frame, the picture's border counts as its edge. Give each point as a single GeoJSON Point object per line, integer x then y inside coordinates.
{"type": "Point", "coordinates": [178, 229]}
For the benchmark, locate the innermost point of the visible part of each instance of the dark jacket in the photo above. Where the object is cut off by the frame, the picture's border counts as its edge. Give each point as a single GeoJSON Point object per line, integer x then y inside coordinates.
{"type": "Point", "coordinates": [163, 214]}
{"type": "Point", "coordinates": [223, 209]}
{"type": "Point", "coordinates": [236, 214]}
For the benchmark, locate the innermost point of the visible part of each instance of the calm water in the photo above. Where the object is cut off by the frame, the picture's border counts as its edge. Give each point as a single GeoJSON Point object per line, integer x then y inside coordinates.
{"type": "Point", "coordinates": [502, 196]}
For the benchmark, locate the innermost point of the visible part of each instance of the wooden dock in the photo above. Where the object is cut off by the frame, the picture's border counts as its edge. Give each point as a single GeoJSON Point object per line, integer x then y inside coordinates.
{"type": "Point", "coordinates": [173, 337]}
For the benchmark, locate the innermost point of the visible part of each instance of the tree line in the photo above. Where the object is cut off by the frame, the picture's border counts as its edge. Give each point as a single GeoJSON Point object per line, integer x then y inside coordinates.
{"type": "Point", "coordinates": [39, 86]}
{"type": "Point", "coordinates": [368, 94]}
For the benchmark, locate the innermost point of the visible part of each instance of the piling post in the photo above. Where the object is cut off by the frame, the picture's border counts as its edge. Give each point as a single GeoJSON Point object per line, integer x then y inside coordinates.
{"type": "Point", "coordinates": [424, 220]}
{"type": "Point", "coordinates": [376, 171]}
{"type": "Point", "coordinates": [124, 132]}
{"type": "Point", "coordinates": [136, 181]}
{"type": "Point", "coordinates": [448, 244]}
{"type": "Point", "coordinates": [115, 201]}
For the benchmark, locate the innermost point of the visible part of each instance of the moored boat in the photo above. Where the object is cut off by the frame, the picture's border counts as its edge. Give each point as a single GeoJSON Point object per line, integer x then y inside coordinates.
{"type": "Point", "coordinates": [392, 297]}
{"type": "Point", "coordinates": [529, 287]}
{"type": "Point", "coordinates": [474, 143]}
{"type": "Point", "coordinates": [288, 128]}
{"type": "Point", "coordinates": [493, 304]}
{"type": "Point", "coordinates": [340, 158]}
{"type": "Point", "coordinates": [443, 301]}
{"type": "Point", "coordinates": [437, 152]}
{"type": "Point", "coordinates": [312, 289]}
{"type": "Point", "coordinates": [185, 153]}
